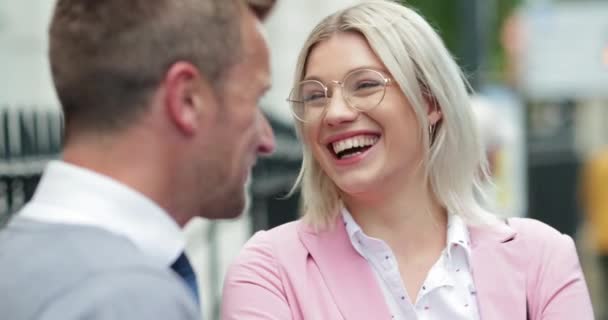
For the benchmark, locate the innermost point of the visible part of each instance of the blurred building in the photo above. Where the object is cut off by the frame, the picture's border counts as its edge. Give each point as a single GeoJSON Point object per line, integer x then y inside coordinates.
{"type": "Point", "coordinates": [563, 75]}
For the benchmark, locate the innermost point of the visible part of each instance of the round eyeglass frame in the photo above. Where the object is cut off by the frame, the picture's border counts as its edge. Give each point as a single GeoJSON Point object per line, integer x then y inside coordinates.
{"type": "Point", "coordinates": [386, 82]}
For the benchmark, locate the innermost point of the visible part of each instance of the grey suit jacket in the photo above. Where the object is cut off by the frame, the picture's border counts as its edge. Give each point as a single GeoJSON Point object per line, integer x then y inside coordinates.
{"type": "Point", "coordinates": [57, 271]}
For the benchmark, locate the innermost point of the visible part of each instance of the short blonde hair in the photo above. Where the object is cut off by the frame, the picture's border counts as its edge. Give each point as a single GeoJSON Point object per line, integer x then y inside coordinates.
{"type": "Point", "coordinates": [419, 62]}
{"type": "Point", "coordinates": [96, 50]}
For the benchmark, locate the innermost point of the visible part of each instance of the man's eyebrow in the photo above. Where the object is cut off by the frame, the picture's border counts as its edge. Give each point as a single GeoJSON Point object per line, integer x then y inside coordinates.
{"type": "Point", "coordinates": [261, 8]}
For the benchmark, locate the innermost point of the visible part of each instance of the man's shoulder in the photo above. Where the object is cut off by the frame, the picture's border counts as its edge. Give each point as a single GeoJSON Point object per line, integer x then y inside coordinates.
{"type": "Point", "coordinates": [68, 245]}
{"type": "Point", "coordinates": [45, 262]}
{"type": "Point", "coordinates": [124, 294]}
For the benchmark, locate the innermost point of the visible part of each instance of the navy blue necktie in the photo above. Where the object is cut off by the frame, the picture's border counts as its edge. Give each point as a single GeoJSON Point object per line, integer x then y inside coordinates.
{"type": "Point", "coordinates": [183, 268]}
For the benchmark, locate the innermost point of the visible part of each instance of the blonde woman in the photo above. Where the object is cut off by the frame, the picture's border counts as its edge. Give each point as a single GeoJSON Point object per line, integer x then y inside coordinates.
{"type": "Point", "coordinates": [392, 228]}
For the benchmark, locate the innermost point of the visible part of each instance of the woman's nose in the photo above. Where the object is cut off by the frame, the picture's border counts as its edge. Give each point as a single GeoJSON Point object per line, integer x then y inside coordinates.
{"type": "Point", "coordinates": [338, 111]}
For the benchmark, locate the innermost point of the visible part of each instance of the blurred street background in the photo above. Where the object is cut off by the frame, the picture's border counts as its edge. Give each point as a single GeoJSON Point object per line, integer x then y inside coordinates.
{"type": "Point", "coordinates": [539, 69]}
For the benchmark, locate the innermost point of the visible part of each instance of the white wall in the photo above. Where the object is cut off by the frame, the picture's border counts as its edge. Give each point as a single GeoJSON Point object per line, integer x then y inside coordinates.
{"type": "Point", "coordinates": [24, 72]}
{"type": "Point", "coordinates": [288, 28]}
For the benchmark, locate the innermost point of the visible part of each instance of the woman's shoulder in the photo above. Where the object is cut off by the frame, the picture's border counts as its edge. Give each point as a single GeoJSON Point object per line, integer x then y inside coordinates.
{"type": "Point", "coordinates": [539, 244]}
{"type": "Point", "coordinates": [523, 235]}
{"type": "Point", "coordinates": [284, 233]}
{"type": "Point", "coordinates": [537, 232]}
{"type": "Point", "coordinates": [272, 244]}
{"type": "Point", "coordinates": [555, 281]}
{"type": "Point", "coordinates": [256, 278]}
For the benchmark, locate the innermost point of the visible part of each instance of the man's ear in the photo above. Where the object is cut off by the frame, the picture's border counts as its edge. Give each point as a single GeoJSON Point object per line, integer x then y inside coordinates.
{"type": "Point", "coordinates": [187, 95]}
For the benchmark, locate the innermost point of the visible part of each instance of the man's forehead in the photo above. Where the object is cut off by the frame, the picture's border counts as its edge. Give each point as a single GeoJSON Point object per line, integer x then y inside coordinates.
{"type": "Point", "coordinates": [261, 46]}
{"type": "Point", "coordinates": [256, 48]}
{"type": "Point", "coordinates": [263, 68]}
{"type": "Point", "coordinates": [254, 32]}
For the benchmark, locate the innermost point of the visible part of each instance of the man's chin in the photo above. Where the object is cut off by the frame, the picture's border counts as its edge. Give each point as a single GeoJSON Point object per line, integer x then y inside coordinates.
{"type": "Point", "coordinates": [245, 197]}
{"type": "Point", "coordinates": [232, 204]}
{"type": "Point", "coordinates": [236, 205]}
{"type": "Point", "coordinates": [237, 212]}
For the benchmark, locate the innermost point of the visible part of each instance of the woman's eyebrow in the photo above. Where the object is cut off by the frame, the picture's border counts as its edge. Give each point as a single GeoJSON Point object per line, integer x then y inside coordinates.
{"type": "Point", "coordinates": [371, 67]}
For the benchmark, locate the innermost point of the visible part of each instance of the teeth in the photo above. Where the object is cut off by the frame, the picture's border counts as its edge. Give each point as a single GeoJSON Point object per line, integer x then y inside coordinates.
{"type": "Point", "coordinates": [346, 156]}
{"type": "Point", "coordinates": [352, 142]}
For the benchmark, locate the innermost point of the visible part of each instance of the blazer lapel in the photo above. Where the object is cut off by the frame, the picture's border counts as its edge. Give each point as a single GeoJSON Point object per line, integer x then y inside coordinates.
{"type": "Point", "coordinates": [348, 276]}
{"type": "Point", "coordinates": [498, 274]}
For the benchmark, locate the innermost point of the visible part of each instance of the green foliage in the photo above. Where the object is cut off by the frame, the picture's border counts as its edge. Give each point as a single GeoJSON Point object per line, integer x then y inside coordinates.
{"type": "Point", "coordinates": [448, 17]}
{"type": "Point", "coordinates": [442, 15]}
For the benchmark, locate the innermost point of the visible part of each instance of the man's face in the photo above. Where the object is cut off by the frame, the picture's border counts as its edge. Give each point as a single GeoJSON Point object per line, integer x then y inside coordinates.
{"type": "Point", "coordinates": [241, 131]}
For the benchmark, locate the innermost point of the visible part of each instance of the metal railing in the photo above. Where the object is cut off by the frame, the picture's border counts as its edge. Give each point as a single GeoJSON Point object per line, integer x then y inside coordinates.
{"type": "Point", "coordinates": [29, 138]}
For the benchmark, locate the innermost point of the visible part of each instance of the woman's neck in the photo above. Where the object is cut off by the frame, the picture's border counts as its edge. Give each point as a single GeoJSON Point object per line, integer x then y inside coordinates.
{"type": "Point", "coordinates": [409, 218]}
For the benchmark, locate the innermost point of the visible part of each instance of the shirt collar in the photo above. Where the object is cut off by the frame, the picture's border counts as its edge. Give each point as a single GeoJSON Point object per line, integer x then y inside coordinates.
{"type": "Point", "coordinates": [354, 231]}
{"type": "Point", "coordinates": [457, 234]}
{"type": "Point", "coordinates": [70, 194]}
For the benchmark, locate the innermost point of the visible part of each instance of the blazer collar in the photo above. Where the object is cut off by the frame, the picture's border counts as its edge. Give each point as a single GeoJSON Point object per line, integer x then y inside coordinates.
{"type": "Point", "coordinates": [499, 279]}
{"type": "Point", "coordinates": [348, 276]}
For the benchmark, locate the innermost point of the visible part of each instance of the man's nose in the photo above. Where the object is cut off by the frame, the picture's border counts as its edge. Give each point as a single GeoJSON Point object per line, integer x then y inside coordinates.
{"type": "Point", "coordinates": [267, 143]}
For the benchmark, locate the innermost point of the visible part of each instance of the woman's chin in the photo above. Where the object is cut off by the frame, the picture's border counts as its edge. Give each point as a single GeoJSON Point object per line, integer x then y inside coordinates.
{"type": "Point", "coordinates": [358, 188]}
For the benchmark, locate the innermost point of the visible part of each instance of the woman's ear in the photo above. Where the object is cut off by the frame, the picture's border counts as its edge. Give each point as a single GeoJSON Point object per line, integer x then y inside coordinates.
{"type": "Point", "coordinates": [433, 110]}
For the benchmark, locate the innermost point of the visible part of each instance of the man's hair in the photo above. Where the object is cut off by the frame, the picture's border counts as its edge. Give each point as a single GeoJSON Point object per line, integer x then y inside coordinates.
{"type": "Point", "coordinates": [108, 56]}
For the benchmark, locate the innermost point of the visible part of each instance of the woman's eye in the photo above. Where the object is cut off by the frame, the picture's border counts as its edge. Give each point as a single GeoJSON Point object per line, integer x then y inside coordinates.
{"type": "Point", "coordinates": [313, 97]}
{"type": "Point", "coordinates": [367, 84]}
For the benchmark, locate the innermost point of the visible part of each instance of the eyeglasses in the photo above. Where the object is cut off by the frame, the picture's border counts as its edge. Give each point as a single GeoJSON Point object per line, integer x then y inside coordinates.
{"type": "Point", "coordinates": [362, 89]}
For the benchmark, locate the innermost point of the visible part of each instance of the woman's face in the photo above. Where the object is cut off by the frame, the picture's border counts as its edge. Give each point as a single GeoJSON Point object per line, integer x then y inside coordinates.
{"type": "Point", "coordinates": [381, 145]}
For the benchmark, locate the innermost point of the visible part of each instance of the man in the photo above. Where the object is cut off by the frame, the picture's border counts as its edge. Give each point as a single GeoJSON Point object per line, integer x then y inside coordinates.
{"type": "Point", "coordinates": [161, 125]}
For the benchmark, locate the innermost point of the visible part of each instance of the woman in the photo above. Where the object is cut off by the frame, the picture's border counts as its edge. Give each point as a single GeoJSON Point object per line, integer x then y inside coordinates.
{"type": "Point", "coordinates": [392, 228]}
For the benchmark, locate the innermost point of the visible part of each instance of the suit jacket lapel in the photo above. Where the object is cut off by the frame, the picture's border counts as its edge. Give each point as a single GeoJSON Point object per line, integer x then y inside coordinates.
{"type": "Point", "coordinates": [348, 276]}
{"type": "Point", "coordinates": [498, 273]}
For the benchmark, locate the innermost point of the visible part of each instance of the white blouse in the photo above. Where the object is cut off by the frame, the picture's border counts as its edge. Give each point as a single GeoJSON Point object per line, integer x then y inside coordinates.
{"type": "Point", "coordinates": [448, 292]}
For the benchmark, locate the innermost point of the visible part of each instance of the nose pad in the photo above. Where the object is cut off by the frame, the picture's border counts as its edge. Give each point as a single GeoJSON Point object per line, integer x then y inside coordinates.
{"type": "Point", "coordinates": [337, 110]}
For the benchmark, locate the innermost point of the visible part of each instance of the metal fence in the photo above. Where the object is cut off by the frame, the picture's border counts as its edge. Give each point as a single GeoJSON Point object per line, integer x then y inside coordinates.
{"type": "Point", "coordinates": [29, 138]}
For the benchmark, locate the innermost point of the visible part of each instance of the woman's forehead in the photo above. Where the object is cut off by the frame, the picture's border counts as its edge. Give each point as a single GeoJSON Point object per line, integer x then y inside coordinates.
{"type": "Point", "coordinates": [342, 53]}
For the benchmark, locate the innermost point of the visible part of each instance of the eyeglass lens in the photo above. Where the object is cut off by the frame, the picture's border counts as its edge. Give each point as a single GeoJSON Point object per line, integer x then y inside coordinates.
{"type": "Point", "coordinates": [362, 90]}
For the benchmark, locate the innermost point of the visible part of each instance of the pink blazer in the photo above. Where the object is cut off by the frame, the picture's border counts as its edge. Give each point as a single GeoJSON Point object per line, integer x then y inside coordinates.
{"type": "Point", "coordinates": [292, 272]}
